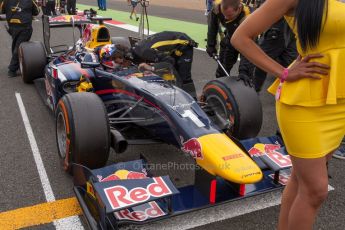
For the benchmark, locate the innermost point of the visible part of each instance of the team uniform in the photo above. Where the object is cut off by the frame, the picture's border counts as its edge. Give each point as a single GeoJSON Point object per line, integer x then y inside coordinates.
{"type": "Point", "coordinates": [19, 18]}
{"type": "Point", "coordinates": [310, 112]}
{"type": "Point", "coordinates": [170, 47]}
{"type": "Point", "coordinates": [279, 43]}
{"type": "Point", "coordinates": [71, 7]}
{"type": "Point", "coordinates": [228, 55]}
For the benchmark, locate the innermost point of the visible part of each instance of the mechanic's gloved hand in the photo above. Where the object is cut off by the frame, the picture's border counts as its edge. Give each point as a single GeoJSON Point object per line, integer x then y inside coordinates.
{"type": "Point", "coordinates": [246, 80]}
{"type": "Point", "coordinates": [211, 50]}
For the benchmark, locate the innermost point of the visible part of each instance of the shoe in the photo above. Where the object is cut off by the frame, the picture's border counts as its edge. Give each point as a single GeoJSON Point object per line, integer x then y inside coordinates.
{"type": "Point", "coordinates": [11, 74]}
{"type": "Point", "coordinates": [130, 17]}
{"type": "Point", "coordinates": [137, 19]}
{"type": "Point", "coordinates": [340, 152]}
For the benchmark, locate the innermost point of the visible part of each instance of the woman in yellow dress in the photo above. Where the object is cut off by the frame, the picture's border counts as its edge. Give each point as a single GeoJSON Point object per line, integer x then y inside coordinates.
{"type": "Point", "coordinates": [310, 96]}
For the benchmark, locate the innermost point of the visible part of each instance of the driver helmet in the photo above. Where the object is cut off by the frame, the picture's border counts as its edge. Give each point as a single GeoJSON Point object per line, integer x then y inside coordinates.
{"type": "Point", "coordinates": [90, 57]}
{"type": "Point", "coordinates": [108, 55]}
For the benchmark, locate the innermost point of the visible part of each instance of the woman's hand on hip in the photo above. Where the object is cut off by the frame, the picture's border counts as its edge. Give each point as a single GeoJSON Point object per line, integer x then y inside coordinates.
{"type": "Point", "coordinates": [304, 68]}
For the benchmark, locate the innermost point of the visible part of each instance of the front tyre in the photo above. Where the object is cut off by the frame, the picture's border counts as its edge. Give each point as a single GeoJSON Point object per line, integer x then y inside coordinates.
{"type": "Point", "coordinates": [82, 131]}
{"type": "Point", "coordinates": [233, 107]}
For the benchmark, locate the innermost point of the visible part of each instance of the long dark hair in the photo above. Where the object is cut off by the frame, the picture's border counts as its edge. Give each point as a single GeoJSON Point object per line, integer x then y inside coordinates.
{"type": "Point", "coordinates": [309, 17]}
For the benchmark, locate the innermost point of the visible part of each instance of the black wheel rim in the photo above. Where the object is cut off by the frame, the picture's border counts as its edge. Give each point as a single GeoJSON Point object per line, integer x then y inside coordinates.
{"type": "Point", "coordinates": [61, 135]}
{"type": "Point", "coordinates": [218, 112]}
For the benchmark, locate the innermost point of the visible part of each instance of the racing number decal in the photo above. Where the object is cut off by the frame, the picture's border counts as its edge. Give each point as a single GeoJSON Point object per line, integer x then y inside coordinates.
{"type": "Point", "coordinates": [280, 159]}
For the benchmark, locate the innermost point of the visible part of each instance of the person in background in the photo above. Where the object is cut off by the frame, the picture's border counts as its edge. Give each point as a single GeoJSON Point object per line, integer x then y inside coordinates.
{"type": "Point", "coordinates": [50, 7]}
{"type": "Point", "coordinates": [102, 5]}
{"type": "Point", "coordinates": [62, 6]}
{"type": "Point", "coordinates": [19, 16]}
{"type": "Point", "coordinates": [279, 43]}
{"type": "Point", "coordinates": [71, 7]}
{"type": "Point", "coordinates": [133, 4]}
{"type": "Point", "coordinates": [173, 48]}
{"type": "Point", "coordinates": [230, 14]}
{"type": "Point", "coordinates": [209, 5]}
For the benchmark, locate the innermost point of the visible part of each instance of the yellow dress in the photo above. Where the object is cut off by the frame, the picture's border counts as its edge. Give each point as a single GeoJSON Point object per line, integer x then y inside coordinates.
{"type": "Point", "coordinates": [311, 113]}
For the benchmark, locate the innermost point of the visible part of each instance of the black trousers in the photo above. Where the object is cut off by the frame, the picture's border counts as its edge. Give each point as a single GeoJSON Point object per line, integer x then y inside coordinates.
{"type": "Point", "coordinates": [19, 35]}
{"type": "Point", "coordinates": [50, 8]}
{"type": "Point", "coordinates": [280, 44]}
{"type": "Point", "coordinates": [183, 66]}
{"type": "Point", "coordinates": [228, 56]}
{"type": "Point", "coordinates": [71, 7]}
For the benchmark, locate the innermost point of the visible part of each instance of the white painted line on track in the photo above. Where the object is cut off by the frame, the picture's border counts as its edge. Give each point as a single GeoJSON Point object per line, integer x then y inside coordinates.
{"type": "Point", "coordinates": [67, 223]}
{"type": "Point", "coordinates": [48, 192]}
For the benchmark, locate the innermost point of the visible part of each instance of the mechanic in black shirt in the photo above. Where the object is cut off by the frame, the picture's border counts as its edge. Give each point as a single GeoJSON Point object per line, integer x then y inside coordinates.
{"type": "Point", "coordinates": [19, 15]}
{"type": "Point", "coordinates": [50, 7]}
{"type": "Point", "coordinates": [71, 7]}
{"type": "Point", "coordinates": [229, 13]}
{"type": "Point", "coordinates": [279, 43]}
{"type": "Point", "coordinates": [166, 49]}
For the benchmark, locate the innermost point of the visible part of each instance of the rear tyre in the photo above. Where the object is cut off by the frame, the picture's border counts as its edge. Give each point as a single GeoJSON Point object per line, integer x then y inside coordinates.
{"type": "Point", "coordinates": [233, 103]}
{"type": "Point", "coordinates": [32, 60]}
{"type": "Point", "coordinates": [82, 131]}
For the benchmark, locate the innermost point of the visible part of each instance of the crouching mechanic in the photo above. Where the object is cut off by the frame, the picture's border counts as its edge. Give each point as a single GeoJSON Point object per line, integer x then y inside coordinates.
{"type": "Point", "coordinates": [168, 49]}
{"type": "Point", "coordinates": [19, 18]}
{"type": "Point", "coordinates": [230, 14]}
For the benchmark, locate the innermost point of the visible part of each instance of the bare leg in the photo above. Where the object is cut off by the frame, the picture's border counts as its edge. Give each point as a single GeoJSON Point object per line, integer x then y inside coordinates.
{"type": "Point", "coordinates": [132, 13]}
{"type": "Point", "coordinates": [312, 191]}
{"type": "Point", "coordinates": [288, 199]}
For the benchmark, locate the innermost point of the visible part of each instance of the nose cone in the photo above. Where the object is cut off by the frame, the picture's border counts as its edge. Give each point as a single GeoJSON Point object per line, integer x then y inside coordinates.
{"type": "Point", "coordinates": [222, 157]}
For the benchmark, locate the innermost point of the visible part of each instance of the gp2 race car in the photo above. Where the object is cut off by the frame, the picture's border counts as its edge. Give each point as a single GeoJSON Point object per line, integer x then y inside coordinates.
{"type": "Point", "coordinates": [96, 109]}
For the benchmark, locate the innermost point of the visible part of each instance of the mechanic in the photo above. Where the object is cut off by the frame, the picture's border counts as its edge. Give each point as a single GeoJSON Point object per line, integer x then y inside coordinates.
{"type": "Point", "coordinates": [19, 18]}
{"type": "Point", "coordinates": [170, 47]}
{"type": "Point", "coordinates": [71, 7]}
{"type": "Point", "coordinates": [49, 8]}
{"type": "Point", "coordinates": [230, 14]}
{"type": "Point", "coordinates": [279, 43]}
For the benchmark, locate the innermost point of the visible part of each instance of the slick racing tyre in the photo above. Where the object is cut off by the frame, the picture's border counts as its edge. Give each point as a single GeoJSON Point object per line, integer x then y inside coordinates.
{"type": "Point", "coordinates": [234, 107]}
{"type": "Point", "coordinates": [32, 60]}
{"type": "Point", "coordinates": [82, 131]}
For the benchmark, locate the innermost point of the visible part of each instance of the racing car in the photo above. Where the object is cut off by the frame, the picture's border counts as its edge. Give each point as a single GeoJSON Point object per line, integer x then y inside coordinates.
{"type": "Point", "coordinates": [96, 110]}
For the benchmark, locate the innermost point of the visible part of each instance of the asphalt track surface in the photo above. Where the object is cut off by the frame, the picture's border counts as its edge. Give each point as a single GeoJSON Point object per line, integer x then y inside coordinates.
{"type": "Point", "coordinates": [20, 185]}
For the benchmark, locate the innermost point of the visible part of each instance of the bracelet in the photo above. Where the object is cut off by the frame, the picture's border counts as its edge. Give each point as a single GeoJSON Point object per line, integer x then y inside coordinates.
{"type": "Point", "coordinates": [285, 74]}
{"type": "Point", "coordinates": [282, 79]}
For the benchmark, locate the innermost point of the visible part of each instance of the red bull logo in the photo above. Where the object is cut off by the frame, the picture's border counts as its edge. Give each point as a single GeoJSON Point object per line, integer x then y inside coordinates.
{"type": "Point", "coordinates": [271, 151]}
{"type": "Point", "coordinates": [193, 147]}
{"type": "Point", "coordinates": [120, 197]}
{"type": "Point", "coordinates": [141, 213]}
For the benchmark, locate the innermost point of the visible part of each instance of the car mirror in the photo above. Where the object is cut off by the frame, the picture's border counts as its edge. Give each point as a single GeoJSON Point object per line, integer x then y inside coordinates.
{"type": "Point", "coordinates": [86, 65]}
